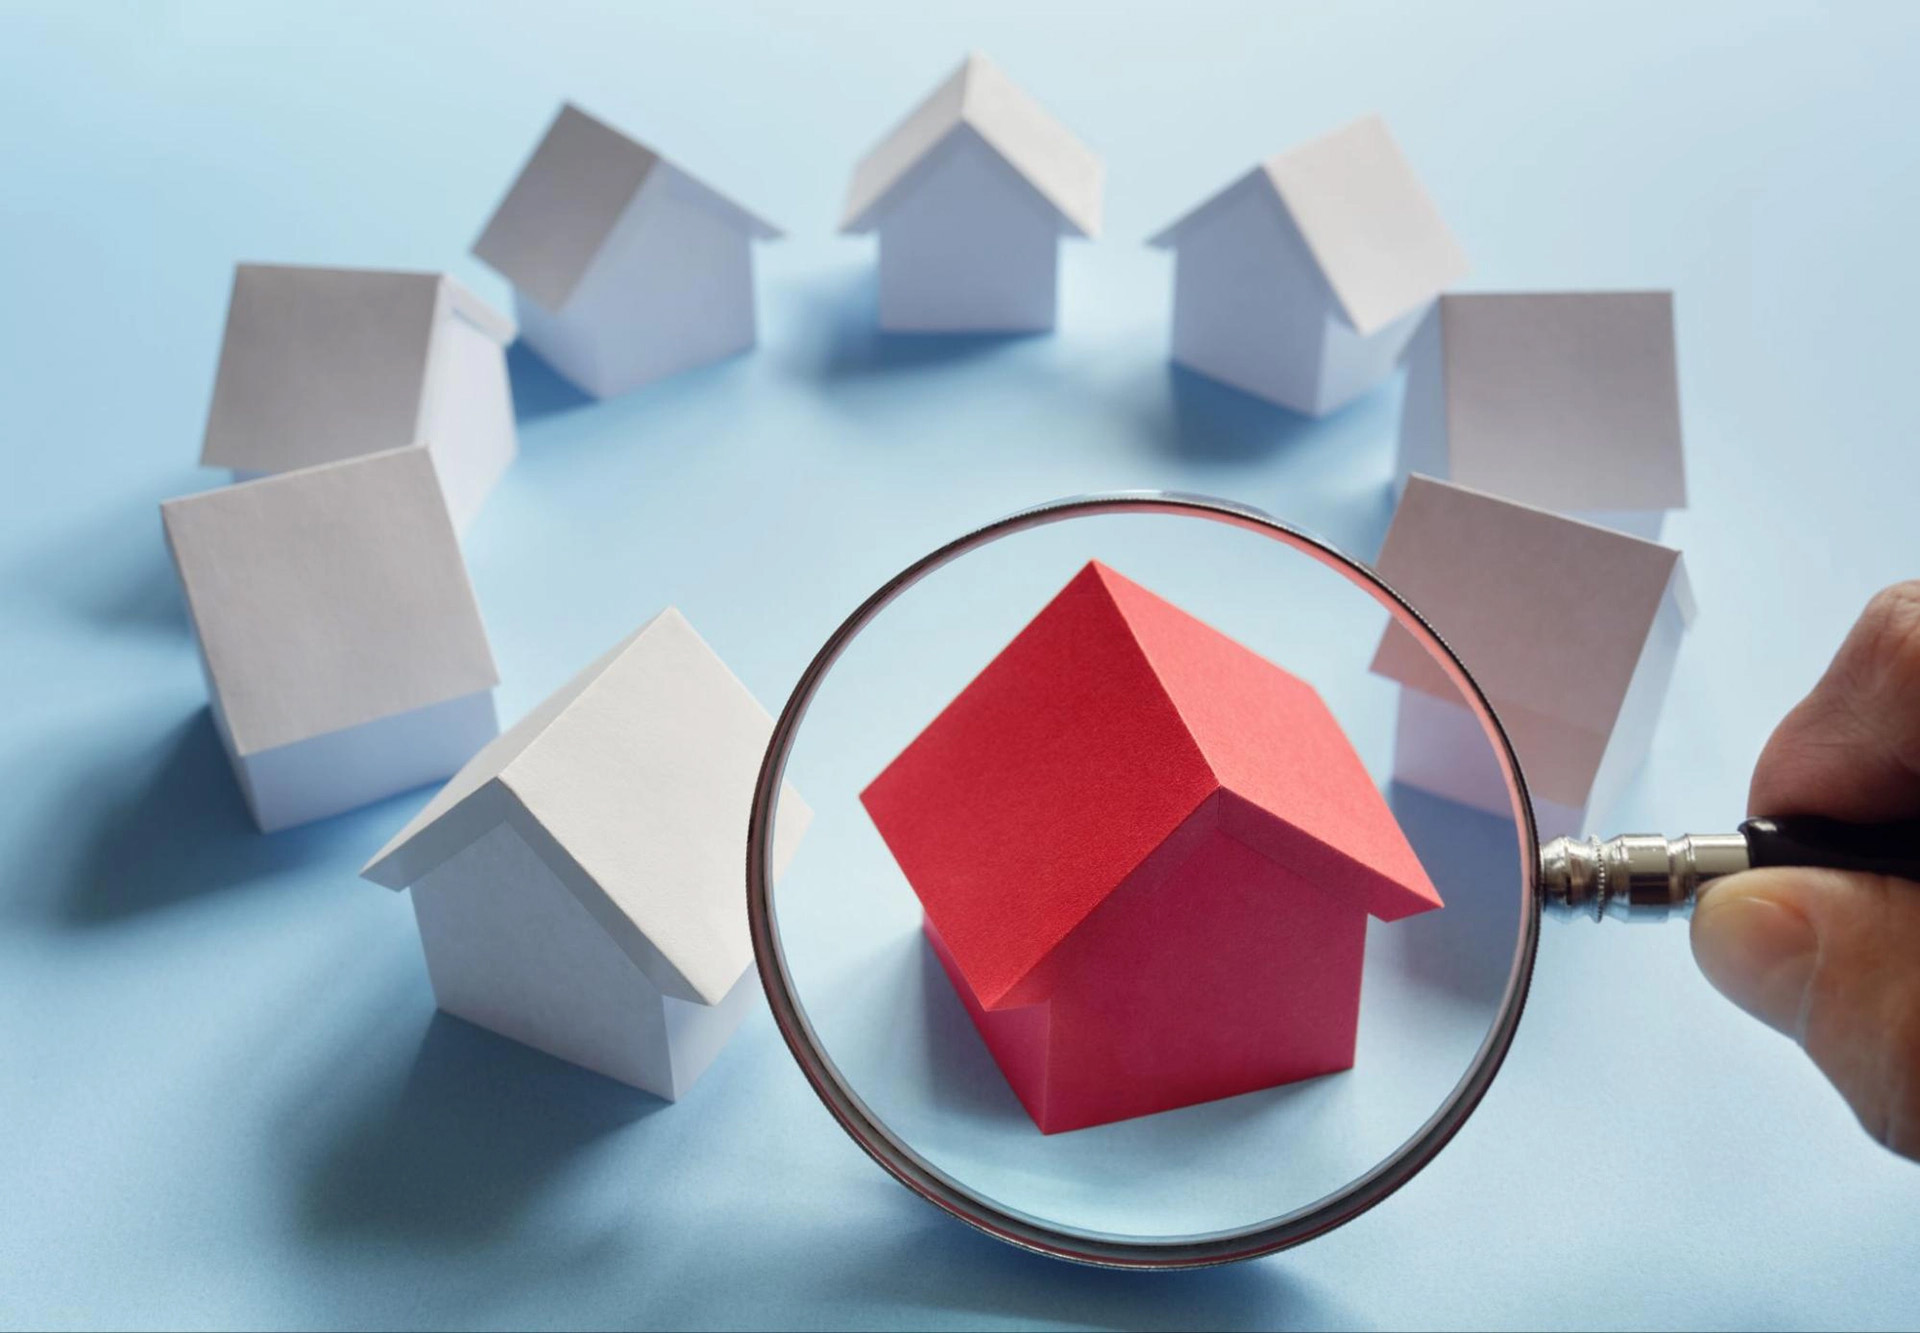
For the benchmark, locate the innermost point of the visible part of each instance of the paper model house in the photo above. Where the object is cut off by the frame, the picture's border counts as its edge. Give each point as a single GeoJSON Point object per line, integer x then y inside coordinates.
{"type": "Point", "coordinates": [578, 885]}
{"type": "Point", "coordinates": [1302, 281]}
{"type": "Point", "coordinates": [344, 654]}
{"type": "Point", "coordinates": [1570, 630]}
{"type": "Point", "coordinates": [1567, 401]}
{"type": "Point", "coordinates": [624, 268]}
{"type": "Point", "coordinates": [1146, 858]}
{"type": "Point", "coordinates": [970, 195]}
{"type": "Point", "coordinates": [323, 364]}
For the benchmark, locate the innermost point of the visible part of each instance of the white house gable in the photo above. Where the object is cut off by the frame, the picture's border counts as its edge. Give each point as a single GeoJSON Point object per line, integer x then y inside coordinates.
{"type": "Point", "coordinates": [510, 948]}
{"type": "Point", "coordinates": [967, 243]}
{"type": "Point", "coordinates": [670, 289]}
{"type": "Point", "coordinates": [1357, 251]}
{"type": "Point", "coordinates": [1423, 426]}
{"type": "Point", "coordinates": [1250, 307]}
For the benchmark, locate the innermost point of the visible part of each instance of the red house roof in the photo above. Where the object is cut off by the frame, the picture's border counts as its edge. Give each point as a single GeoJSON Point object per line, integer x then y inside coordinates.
{"type": "Point", "coordinates": [1089, 740]}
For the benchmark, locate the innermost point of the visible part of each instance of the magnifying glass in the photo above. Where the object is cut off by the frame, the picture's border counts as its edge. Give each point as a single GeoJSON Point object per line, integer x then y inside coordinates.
{"type": "Point", "coordinates": [1112, 934]}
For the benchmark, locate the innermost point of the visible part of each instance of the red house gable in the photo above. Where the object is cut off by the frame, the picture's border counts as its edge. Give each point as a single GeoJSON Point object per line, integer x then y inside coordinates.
{"type": "Point", "coordinates": [1120, 744]}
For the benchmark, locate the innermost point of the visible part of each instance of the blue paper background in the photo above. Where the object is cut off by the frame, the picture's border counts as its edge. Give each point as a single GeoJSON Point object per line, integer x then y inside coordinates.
{"type": "Point", "coordinates": [222, 1097]}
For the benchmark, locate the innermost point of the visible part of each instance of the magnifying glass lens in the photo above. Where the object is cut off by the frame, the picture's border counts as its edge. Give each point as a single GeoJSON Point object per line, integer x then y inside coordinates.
{"type": "Point", "coordinates": [1113, 918]}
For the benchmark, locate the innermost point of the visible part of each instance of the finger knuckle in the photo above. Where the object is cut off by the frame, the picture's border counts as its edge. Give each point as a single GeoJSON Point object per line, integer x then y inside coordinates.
{"type": "Point", "coordinates": [1888, 655]}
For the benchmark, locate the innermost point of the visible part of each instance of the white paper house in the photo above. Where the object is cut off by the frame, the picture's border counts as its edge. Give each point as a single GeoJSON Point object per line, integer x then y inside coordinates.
{"type": "Point", "coordinates": [1570, 629]}
{"type": "Point", "coordinates": [322, 364]}
{"type": "Point", "coordinates": [579, 886]}
{"type": "Point", "coordinates": [344, 653]}
{"type": "Point", "coordinates": [1564, 400]}
{"type": "Point", "coordinates": [625, 269]}
{"type": "Point", "coordinates": [1302, 281]}
{"type": "Point", "coordinates": [970, 195]}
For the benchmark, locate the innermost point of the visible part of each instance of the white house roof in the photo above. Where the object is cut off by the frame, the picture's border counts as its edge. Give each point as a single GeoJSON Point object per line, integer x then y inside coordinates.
{"type": "Point", "coordinates": [1564, 399]}
{"type": "Point", "coordinates": [1369, 224]}
{"type": "Point", "coordinates": [563, 205]}
{"type": "Point", "coordinates": [321, 364]}
{"type": "Point", "coordinates": [979, 96]}
{"type": "Point", "coordinates": [1549, 614]}
{"type": "Point", "coordinates": [328, 597]}
{"type": "Point", "coordinates": [632, 783]}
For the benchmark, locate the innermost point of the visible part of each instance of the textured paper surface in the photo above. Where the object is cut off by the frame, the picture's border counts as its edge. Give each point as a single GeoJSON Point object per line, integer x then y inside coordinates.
{"type": "Point", "coordinates": [1440, 748]}
{"type": "Point", "coordinates": [968, 249]}
{"type": "Point", "coordinates": [321, 365]}
{"type": "Point", "coordinates": [1249, 307]}
{"type": "Point", "coordinates": [1371, 227]}
{"type": "Point", "coordinates": [343, 770]}
{"type": "Point", "coordinates": [671, 289]}
{"type": "Point", "coordinates": [1368, 220]}
{"type": "Point", "coordinates": [468, 426]}
{"type": "Point", "coordinates": [509, 947]}
{"type": "Point", "coordinates": [633, 784]}
{"type": "Point", "coordinates": [1256, 307]}
{"type": "Point", "coordinates": [566, 205]}
{"type": "Point", "coordinates": [1563, 400]}
{"type": "Point", "coordinates": [1118, 763]}
{"type": "Point", "coordinates": [980, 97]}
{"type": "Point", "coordinates": [328, 597]}
{"type": "Point", "coordinates": [1228, 975]}
{"type": "Point", "coordinates": [1489, 574]}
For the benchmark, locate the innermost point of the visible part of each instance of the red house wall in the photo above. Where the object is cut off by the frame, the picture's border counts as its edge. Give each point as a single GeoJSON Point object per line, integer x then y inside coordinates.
{"type": "Point", "coordinates": [1227, 975]}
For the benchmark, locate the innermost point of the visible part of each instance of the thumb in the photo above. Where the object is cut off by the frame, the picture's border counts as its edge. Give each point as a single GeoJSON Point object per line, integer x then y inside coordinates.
{"type": "Point", "coordinates": [1833, 961]}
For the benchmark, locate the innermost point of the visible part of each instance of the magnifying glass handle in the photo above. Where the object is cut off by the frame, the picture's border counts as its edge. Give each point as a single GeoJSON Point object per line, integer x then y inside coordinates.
{"type": "Point", "coordinates": [1645, 877]}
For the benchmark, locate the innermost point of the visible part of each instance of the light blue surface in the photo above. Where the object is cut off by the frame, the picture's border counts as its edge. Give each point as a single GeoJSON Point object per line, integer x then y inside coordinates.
{"type": "Point", "coordinates": [223, 1100]}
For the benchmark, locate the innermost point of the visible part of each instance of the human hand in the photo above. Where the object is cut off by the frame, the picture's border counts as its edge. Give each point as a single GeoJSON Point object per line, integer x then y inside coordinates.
{"type": "Point", "coordinates": [1831, 958]}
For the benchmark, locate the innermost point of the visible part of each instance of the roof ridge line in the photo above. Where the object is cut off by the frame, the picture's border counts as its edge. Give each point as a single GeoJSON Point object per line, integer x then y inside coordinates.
{"type": "Point", "coordinates": [1100, 570]}
{"type": "Point", "coordinates": [611, 656]}
{"type": "Point", "coordinates": [1212, 794]}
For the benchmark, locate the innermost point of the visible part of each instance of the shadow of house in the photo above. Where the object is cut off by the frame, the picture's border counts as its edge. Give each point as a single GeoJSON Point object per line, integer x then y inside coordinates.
{"type": "Point", "coordinates": [538, 389]}
{"type": "Point", "coordinates": [1474, 860]}
{"type": "Point", "coordinates": [1208, 422]}
{"type": "Point", "coordinates": [110, 569]}
{"type": "Point", "coordinates": [846, 342]}
{"type": "Point", "coordinates": [965, 1077]}
{"type": "Point", "coordinates": [171, 827]}
{"type": "Point", "coordinates": [479, 1128]}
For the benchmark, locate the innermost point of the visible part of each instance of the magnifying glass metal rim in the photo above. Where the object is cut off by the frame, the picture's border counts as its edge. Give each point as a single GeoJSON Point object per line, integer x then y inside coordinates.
{"type": "Point", "coordinates": [1032, 1233]}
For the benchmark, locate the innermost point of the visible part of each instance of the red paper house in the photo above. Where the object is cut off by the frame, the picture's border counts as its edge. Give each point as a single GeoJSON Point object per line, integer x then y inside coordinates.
{"type": "Point", "coordinates": [1146, 857]}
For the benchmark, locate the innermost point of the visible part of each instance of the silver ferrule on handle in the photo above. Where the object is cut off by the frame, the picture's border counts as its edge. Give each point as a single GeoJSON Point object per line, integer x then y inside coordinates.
{"type": "Point", "coordinates": [1635, 877]}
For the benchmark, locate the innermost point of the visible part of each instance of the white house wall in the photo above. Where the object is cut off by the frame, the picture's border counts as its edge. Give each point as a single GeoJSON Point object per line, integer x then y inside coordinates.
{"type": "Point", "coordinates": [1640, 709]}
{"type": "Point", "coordinates": [1423, 410]}
{"type": "Point", "coordinates": [1351, 365]}
{"type": "Point", "coordinates": [1249, 309]}
{"type": "Point", "coordinates": [509, 948]}
{"type": "Point", "coordinates": [967, 246]}
{"type": "Point", "coordinates": [1634, 522]}
{"type": "Point", "coordinates": [1440, 748]}
{"type": "Point", "coordinates": [468, 424]}
{"type": "Point", "coordinates": [696, 1032]}
{"type": "Point", "coordinates": [671, 289]}
{"type": "Point", "coordinates": [343, 770]}
{"type": "Point", "coordinates": [1424, 426]}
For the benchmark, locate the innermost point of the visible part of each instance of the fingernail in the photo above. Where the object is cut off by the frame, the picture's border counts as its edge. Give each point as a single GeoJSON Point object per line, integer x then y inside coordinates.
{"type": "Point", "coordinates": [1757, 952]}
